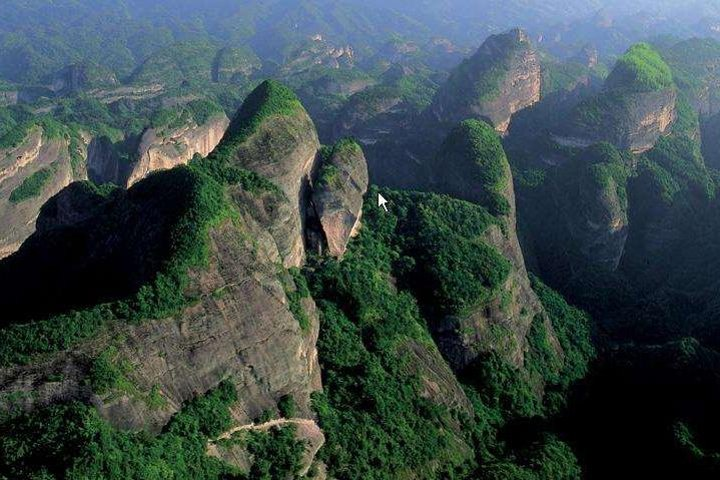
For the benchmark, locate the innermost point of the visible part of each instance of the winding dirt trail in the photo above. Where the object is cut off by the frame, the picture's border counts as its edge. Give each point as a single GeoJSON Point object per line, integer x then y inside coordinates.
{"type": "Point", "coordinates": [265, 426]}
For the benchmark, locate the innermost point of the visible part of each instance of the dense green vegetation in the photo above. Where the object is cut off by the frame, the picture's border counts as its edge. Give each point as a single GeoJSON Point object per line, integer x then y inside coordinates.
{"type": "Point", "coordinates": [456, 268]}
{"type": "Point", "coordinates": [390, 407]}
{"type": "Point", "coordinates": [198, 204]}
{"type": "Point", "coordinates": [196, 111]}
{"type": "Point", "coordinates": [72, 441]}
{"type": "Point", "coordinates": [572, 329]}
{"type": "Point", "coordinates": [33, 185]}
{"type": "Point", "coordinates": [608, 169]}
{"type": "Point", "coordinates": [329, 174]}
{"type": "Point", "coordinates": [562, 76]}
{"type": "Point", "coordinates": [640, 69]}
{"type": "Point", "coordinates": [475, 151]}
{"type": "Point", "coordinates": [680, 157]}
{"type": "Point", "coordinates": [297, 290]}
{"type": "Point", "coordinates": [189, 61]}
{"type": "Point", "coordinates": [693, 62]}
{"type": "Point", "coordinates": [13, 136]}
{"type": "Point", "coordinates": [276, 454]}
{"type": "Point", "coordinates": [478, 79]}
{"type": "Point", "coordinates": [376, 423]}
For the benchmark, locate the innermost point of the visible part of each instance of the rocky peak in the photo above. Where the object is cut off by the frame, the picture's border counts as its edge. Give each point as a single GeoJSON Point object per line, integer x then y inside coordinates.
{"type": "Point", "coordinates": [636, 106]}
{"type": "Point", "coordinates": [161, 149]}
{"type": "Point", "coordinates": [273, 136]}
{"type": "Point", "coordinates": [472, 165]}
{"type": "Point", "coordinates": [239, 324]}
{"type": "Point", "coordinates": [338, 192]}
{"type": "Point", "coordinates": [503, 77]}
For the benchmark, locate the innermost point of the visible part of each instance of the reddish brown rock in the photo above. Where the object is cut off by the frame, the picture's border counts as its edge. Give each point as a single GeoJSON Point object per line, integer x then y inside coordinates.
{"type": "Point", "coordinates": [338, 195]}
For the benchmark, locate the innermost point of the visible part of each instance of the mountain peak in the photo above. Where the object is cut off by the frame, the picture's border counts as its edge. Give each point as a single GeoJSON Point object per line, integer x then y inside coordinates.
{"type": "Point", "coordinates": [501, 78]}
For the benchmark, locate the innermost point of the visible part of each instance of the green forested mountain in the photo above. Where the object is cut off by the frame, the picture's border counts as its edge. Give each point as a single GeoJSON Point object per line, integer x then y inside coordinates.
{"type": "Point", "coordinates": [339, 240]}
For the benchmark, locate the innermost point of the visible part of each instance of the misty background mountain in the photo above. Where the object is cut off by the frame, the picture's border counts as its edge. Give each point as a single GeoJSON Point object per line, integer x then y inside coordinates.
{"type": "Point", "coordinates": [39, 38]}
{"type": "Point", "coordinates": [197, 282]}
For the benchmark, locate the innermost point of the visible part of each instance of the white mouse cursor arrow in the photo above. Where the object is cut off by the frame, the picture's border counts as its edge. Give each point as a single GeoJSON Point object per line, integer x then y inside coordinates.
{"type": "Point", "coordinates": [382, 202]}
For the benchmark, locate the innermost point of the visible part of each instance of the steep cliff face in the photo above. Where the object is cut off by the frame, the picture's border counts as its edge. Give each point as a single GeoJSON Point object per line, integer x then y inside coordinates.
{"type": "Point", "coordinates": [31, 172]}
{"type": "Point", "coordinates": [591, 193]}
{"type": "Point", "coordinates": [240, 326]}
{"type": "Point", "coordinates": [338, 195]}
{"type": "Point", "coordinates": [181, 286]}
{"type": "Point", "coordinates": [472, 166]}
{"type": "Point", "coordinates": [104, 164]}
{"type": "Point", "coordinates": [630, 121]}
{"type": "Point", "coordinates": [194, 257]}
{"type": "Point", "coordinates": [160, 149]}
{"type": "Point", "coordinates": [636, 107]}
{"type": "Point", "coordinates": [502, 78]}
{"type": "Point", "coordinates": [273, 136]}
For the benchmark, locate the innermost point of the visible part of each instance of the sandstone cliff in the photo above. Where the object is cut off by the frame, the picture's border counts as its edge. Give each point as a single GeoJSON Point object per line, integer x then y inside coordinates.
{"type": "Point", "coordinates": [243, 316]}
{"type": "Point", "coordinates": [630, 121]}
{"type": "Point", "coordinates": [338, 195]}
{"type": "Point", "coordinates": [502, 78]}
{"type": "Point", "coordinates": [30, 173]}
{"type": "Point", "coordinates": [159, 148]}
{"type": "Point", "coordinates": [635, 108]}
{"type": "Point", "coordinates": [273, 136]}
{"type": "Point", "coordinates": [239, 327]}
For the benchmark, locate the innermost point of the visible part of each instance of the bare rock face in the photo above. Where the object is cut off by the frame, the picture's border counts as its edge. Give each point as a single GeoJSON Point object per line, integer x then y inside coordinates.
{"type": "Point", "coordinates": [30, 173]}
{"type": "Point", "coordinates": [280, 146]}
{"type": "Point", "coordinates": [240, 328]}
{"type": "Point", "coordinates": [158, 149]}
{"type": "Point", "coordinates": [161, 150]}
{"type": "Point", "coordinates": [338, 195]}
{"type": "Point", "coordinates": [244, 319]}
{"type": "Point", "coordinates": [502, 78]}
{"type": "Point", "coordinates": [103, 162]}
{"type": "Point", "coordinates": [630, 121]}
{"type": "Point", "coordinates": [635, 108]}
